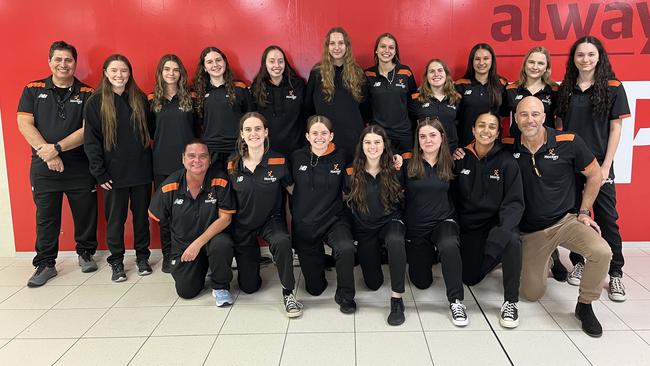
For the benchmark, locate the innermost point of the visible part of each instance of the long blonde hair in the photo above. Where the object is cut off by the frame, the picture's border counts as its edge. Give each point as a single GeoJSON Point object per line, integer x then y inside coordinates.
{"type": "Point", "coordinates": [353, 75]}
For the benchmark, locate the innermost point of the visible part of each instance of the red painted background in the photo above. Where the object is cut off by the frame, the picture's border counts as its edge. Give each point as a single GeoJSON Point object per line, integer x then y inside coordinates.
{"type": "Point", "coordinates": [144, 30]}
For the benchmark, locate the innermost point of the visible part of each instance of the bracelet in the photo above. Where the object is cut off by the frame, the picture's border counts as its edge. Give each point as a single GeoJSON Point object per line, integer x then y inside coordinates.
{"type": "Point", "coordinates": [584, 211]}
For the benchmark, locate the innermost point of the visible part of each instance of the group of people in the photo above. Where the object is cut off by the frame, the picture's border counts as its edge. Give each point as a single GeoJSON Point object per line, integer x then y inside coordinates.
{"type": "Point", "coordinates": [370, 164]}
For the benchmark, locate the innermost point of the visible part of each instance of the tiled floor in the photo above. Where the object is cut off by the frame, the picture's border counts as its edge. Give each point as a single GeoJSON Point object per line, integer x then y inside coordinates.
{"type": "Point", "coordinates": [84, 319]}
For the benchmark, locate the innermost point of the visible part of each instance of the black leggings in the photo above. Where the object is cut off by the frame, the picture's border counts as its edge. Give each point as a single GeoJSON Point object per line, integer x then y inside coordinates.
{"type": "Point", "coordinates": [369, 244]}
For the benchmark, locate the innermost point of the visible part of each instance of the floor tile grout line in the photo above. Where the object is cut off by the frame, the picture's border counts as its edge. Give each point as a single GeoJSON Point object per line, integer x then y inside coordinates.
{"type": "Point", "coordinates": [496, 336]}
{"type": "Point", "coordinates": [149, 336]}
{"type": "Point", "coordinates": [225, 319]}
{"type": "Point", "coordinates": [424, 334]}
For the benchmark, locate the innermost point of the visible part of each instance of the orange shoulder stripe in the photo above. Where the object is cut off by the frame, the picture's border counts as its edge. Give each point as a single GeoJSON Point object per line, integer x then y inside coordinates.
{"type": "Point", "coordinates": [170, 187]}
{"type": "Point", "coordinates": [230, 212]}
{"type": "Point", "coordinates": [622, 116]}
{"type": "Point", "coordinates": [36, 84]}
{"type": "Point", "coordinates": [613, 82]}
{"type": "Point", "coordinates": [565, 137]}
{"type": "Point", "coordinates": [85, 89]}
{"type": "Point", "coordinates": [407, 155]}
{"type": "Point", "coordinates": [239, 84]}
{"type": "Point", "coordinates": [219, 182]}
{"type": "Point", "coordinates": [462, 81]}
{"type": "Point", "coordinates": [25, 114]}
{"type": "Point", "coordinates": [153, 216]}
{"type": "Point", "coordinates": [230, 165]}
{"type": "Point", "coordinates": [593, 162]}
{"type": "Point", "coordinates": [371, 73]}
{"type": "Point", "coordinates": [415, 96]}
{"type": "Point", "coordinates": [405, 72]}
{"type": "Point", "coordinates": [349, 170]}
{"type": "Point", "coordinates": [150, 97]}
{"type": "Point", "coordinates": [514, 85]}
{"type": "Point", "coordinates": [508, 140]}
{"type": "Point", "coordinates": [276, 161]}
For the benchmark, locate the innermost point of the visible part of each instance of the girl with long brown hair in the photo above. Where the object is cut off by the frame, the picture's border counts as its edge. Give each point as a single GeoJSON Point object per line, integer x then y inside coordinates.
{"type": "Point", "coordinates": [375, 199]}
{"type": "Point", "coordinates": [116, 141]}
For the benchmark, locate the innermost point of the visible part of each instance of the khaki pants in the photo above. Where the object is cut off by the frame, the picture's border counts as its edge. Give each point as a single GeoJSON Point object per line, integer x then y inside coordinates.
{"type": "Point", "coordinates": [575, 236]}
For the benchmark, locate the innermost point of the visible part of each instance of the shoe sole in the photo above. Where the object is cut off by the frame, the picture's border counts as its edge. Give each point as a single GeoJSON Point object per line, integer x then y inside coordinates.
{"type": "Point", "coordinates": [509, 324]}
{"type": "Point", "coordinates": [224, 304]}
{"type": "Point", "coordinates": [294, 314]}
{"type": "Point", "coordinates": [145, 273]}
{"type": "Point", "coordinates": [36, 284]}
{"type": "Point", "coordinates": [617, 298]}
{"type": "Point", "coordinates": [573, 282]}
{"type": "Point", "coordinates": [88, 269]}
{"type": "Point", "coordinates": [394, 324]}
{"type": "Point", "coordinates": [121, 279]}
{"type": "Point", "coordinates": [460, 323]}
{"type": "Point", "coordinates": [593, 335]}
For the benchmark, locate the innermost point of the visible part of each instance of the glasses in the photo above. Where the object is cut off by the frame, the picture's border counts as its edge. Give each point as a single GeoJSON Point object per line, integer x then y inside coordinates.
{"type": "Point", "coordinates": [532, 158]}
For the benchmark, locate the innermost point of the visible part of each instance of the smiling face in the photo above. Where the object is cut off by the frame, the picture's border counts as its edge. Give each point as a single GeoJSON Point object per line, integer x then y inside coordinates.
{"type": "Point", "coordinates": [275, 64]}
{"type": "Point", "coordinates": [118, 73]}
{"type": "Point", "coordinates": [373, 146]}
{"type": "Point", "coordinates": [486, 129]}
{"type": "Point", "coordinates": [536, 65]}
{"type": "Point", "coordinates": [530, 117]}
{"type": "Point", "coordinates": [196, 159]}
{"type": "Point", "coordinates": [386, 50]}
{"type": "Point", "coordinates": [214, 64]}
{"type": "Point", "coordinates": [62, 65]}
{"type": "Point", "coordinates": [253, 132]}
{"type": "Point", "coordinates": [319, 137]}
{"type": "Point", "coordinates": [482, 62]}
{"type": "Point", "coordinates": [436, 75]}
{"type": "Point", "coordinates": [336, 47]}
{"type": "Point", "coordinates": [586, 57]}
{"type": "Point", "coordinates": [430, 139]}
{"type": "Point", "coordinates": [171, 72]}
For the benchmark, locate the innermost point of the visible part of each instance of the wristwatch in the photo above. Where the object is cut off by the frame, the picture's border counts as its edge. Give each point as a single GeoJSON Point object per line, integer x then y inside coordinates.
{"type": "Point", "coordinates": [584, 211]}
{"type": "Point", "coordinates": [57, 147]}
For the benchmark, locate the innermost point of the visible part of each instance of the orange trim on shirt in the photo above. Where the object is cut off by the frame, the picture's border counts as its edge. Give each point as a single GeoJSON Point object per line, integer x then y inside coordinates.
{"type": "Point", "coordinates": [230, 212]}
{"type": "Point", "coordinates": [622, 116]}
{"type": "Point", "coordinates": [153, 216]}
{"type": "Point", "coordinates": [371, 73]}
{"type": "Point", "coordinates": [593, 162]}
{"type": "Point", "coordinates": [349, 170]}
{"type": "Point", "coordinates": [169, 187]}
{"type": "Point", "coordinates": [405, 72]}
{"type": "Point", "coordinates": [415, 96]}
{"type": "Point", "coordinates": [470, 147]}
{"type": "Point", "coordinates": [239, 84]}
{"type": "Point", "coordinates": [25, 114]}
{"type": "Point", "coordinates": [219, 182]}
{"type": "Point", "coordinates": [463, 81]}
{"type": "Point", "coordinates": [407, 155]}
{"type": "Point", "coordinates": [150, 97]}
{"type": "Point", "coordinates": [565, 137]}
{"type": "Point", "coordinates": [613, 83]}
{"type": "Point", "coordinates": [514, 85]}
{"type": "Point", "coordinates": [230, 165]}
{"type": "Point", "coordinates": [276, 161]}
{"type": "Point", "coordinates": [508, 140]}
{"type": "Point", "coordinates": [36, 84]}
{"type": "Point", "coordinates": [85, 89]}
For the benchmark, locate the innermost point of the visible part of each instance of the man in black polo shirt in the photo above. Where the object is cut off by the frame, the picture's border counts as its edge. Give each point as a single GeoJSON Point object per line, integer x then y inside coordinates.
{"type": "Point", "coordinates": [50, 119]}
{"type": "Point", "coordinates": [549, 161]}
{"type": "Point", "coordinates": [197, 203]}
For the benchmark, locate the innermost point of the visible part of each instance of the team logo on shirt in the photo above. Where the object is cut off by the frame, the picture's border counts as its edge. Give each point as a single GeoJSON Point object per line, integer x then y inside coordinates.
{"type": "Point", "coordinates": [76, 99]}
{"type": "Point", "coordinates": [426, 105]}
{"type": "Point", "coordinates": [451, 106]}
{"type": "Point", "coordinates": [42, 96]}
{"type": "Point", "coordinates": [547, 99]}
{"type": "Point", "coordinates": [269, 177]}
{"type": "Point", "coordinates": [516, 155]}
{"type": "Point", "coordinates": [291, 95]}
{"type": "Point", "coordinates": [401, 84]}
{"type": "Point", "coordinates": [496, 175]}
{"type": "Point", "coordinates": [335, 169]}
{"type": "Point", "coordinates": [551, 154]}
{"type": "Point", "coordinates": [302, 168]}
{"type": "Point", "coordinates": [240, 179]}
{"type": "Point", "coordinates": [178, 201]}
{"type": "Point", "coordinates": [206, 95]}
{"type": "Point", "coordinates": [519, 96]}
{"type": "Point", "coordinates": [465, 171]}
{"type": "Point", "coordinates": [376, 84]}
{"type": "Point", "coordinates": [211, 199]}
{"type": "Point", "coordinates": [468, 92]}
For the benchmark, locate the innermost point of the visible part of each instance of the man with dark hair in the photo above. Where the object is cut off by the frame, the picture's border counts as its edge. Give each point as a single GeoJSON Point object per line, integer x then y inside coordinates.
{"type": "Point", "coordinates": [50, 118]}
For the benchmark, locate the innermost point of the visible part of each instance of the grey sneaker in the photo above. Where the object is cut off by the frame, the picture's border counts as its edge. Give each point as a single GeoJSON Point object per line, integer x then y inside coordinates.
{"type": "Point", "coordinates": [42, 274]}
{"type": "Point", "coordinates": [616, 289]}
{"type": "Point", "coordinates": [87, 263]}
{"type": "Point", "coordinates": [576, 275]}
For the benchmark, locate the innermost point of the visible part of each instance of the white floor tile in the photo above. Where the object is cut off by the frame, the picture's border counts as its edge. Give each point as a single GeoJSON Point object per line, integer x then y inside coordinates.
{"type": "Point", "coordinates": [7, 291]}
{"type": "Point", "coordinates": [491, 288]}
{"type": "Point", "coordinates": [69, 274]}
{"type": "Point", "coordinates": [182, 351]}
{"type": "Point", "coordinates": [66, 323]}
{"type": "Point", "coordinates": [436, 292]}
{"type": "Point", "coordinates": [269, 293]}
{"type": "Point", "coordinates": [22, 351]}
{"type": "Point", "coordinates": [322, 317]}
{"type": "Point", "coordinates": [641, 280]}
{"type": "Point", "coordinates": [634, 252]}
{"type": "Point", "coordinates": [37, 298]}
{"type": "Point", "coordinates": [15, 276]}
{"type": "Point", "coordinates": [4, 341]}
{"type": "Point", "coordinates": [465, 348]}
{"type": "Point", "coordinates": [26, 262]}
{"type": "Point", "coordinates": [532, 316]}
{"type": "Point", "coordinates": [157, 276]}
{"type": "Point", "coordinates": [15, 321]}
{"type": "Point", "coordinates": [633, 312]}
{"type": "Point", "coordinates": [636, 266]}
{"type": "Point", "coordinates": [622, 348]}
{"type": "Point", "coordinates": [93, 296]}
{"type": "Point", "coordinates": [204, 298]}
{"type": "Point", "coordinates": [127, 322]}
{"type": "Point", "coordinates": [392, 348]}
{"type": "Point", "coordinates": [563, 313]}
{"type": "Point", "coordinates": [150, 294]}
{"type": "Point", "coordinates": [101, 352]}
{"type": "Point", "coordinates": [192, 320]}
{"type": "Point", "coordinates": [541, 348]}
{"type": "Point", "coordinates": [318, 349]}
{"type": "Point", "coordinates": [245, 350]}
{"type": "Point", "coordinates": [256, 319]}
{"type": "Point", "coordinates": [437, 316]}
{"type": "Point", "coordinates": [372, 317]}
{"type": "Point", "coordinates": [383, 294]}
{"type": "Point", "coordinates": [645, 335]}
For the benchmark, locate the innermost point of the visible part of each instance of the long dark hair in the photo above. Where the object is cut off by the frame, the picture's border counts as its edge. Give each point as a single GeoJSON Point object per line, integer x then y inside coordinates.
{"type": "Point", "coordinates": [390, 190]}
{"type": "Point", "coordinates": [494, 85]}
{"type": "Point", "coordinates": [603, 73]}
{"type": "Point", "coordinates": [259, 87]}
{"type": "Point", "coordinates": [184, 96]}
{"type": "Point", "coordinates": [445, 163]}
{"type": "Point", "coordinates": [241, 148]}
{"type": "Point", "coordinates": [202, 79]}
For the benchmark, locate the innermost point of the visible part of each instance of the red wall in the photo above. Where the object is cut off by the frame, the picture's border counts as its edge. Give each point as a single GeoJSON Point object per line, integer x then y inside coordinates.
{"type": "Point", "coordinates": [144, 30]}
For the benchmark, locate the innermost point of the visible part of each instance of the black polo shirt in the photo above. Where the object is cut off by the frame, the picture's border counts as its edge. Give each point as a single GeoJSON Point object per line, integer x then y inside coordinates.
{"type": "Point", "coordinates": [128, 163]}
{"type": "Point", "coordinates": [514, 93]}
{"type": "Point", "coordinates": [476, 100]}
{"type": "Point", "coordinates": [318, 185]}
{"type": "Point", "coordinates": [190, 217]}
{"type": "Point", "coordinates": [259, 193]}
{"type": "Point", "coordinates": [443, 110]}
{"type": "Point", "coordinates": [550, 195]}
{"type": "Point", "coordinates": [284, 114]}
{"type": "Point", "coordinates": [174, 128]}
{"type": "Point", "coordinates": [427, 199]}
{"type": "Point", "coordinates": [579, 117]}
{"type": "Point", "coordinates": [220, 119]}
{"type": "Point", "coordinates": [344, 111]}
{"type": "Point", "coordinates": [377, 215]}
{"type": "Point", "coordinates": [57, 115]}
{"type": "Point", "coordinates": [388, 98]}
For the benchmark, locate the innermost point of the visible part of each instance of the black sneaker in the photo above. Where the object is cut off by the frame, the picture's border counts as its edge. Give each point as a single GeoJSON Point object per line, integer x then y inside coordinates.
{"type": "Point", "coordinates": [265, 261]}
{"type": "Point", "coordinates": [144, 269]}
{"type": "Point", "coordinates": [396, 316]}
{"type": "Point", "coordinates": [458, 313]}
{"type": "Point", "coordinates": [42, 274]}
{"type": "Point", "coordinates": [509, 315]}
{"type": "Point", "coordinates": [292, 307]}
{"type": "Point", "coordinates": [559, 271]}
{"type": "Point", "coordinates": [590, 324]}
{"type": "Point", "coordinates": [347, 306]}
{"type": "Point", "coordinates": [167, 264]}
{"type": "Point", "coordinates": [87, 263]}
{"type": "Point", "coordinates": [118, 272]}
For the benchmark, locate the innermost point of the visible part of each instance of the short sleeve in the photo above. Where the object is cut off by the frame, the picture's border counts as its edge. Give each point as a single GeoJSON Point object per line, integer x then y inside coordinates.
{"type": "Point", "coordinates": [287, 178]}
{"type": "Point", "coordinates": [582, 155]}
{"type": "Point", "coordinates": [159, 206]}
{"type": "Point", "coordinates": [620, 108]}
{"type": "Point", "coordinates": [26, 103]}
{"type": "Point", "coordinates": [225, 199]}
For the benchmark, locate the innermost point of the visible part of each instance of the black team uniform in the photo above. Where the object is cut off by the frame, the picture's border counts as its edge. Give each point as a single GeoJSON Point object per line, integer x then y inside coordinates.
{"type": "Point", "coordinates": [221, 120]}
{"type": "Point", "coordinates": [489, 198]}
{"type": "Point", "coordinates": [319, 216]}
{"type": "Point", "coordinates": [595, 133]}
{"type": "Point", "coordinates": [388, 99]}
{"type": "Point", "coordinates": [344, 111]}
{"type": "Point", "coordinates": [476, 100]}
{"type": "Point", "coordinates": [128, 164]}
{"type": "Point", "coordinates": [259, 214]}
{"type": "Point", "coordinates": [188, 218]}
{"type": "Point", "coordinates": [443, 110]}
{"type": "Point", "coordinates": [284, 115]}
{"type": "Point", "coordinates": [174, 128]}
{"type": "Point", "coordinates": [514, 93]}
{"type": "Point", "coordinates": [57, 113]}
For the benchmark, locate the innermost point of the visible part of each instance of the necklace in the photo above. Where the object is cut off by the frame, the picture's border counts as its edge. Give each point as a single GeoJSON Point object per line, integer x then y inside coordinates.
{"type": "Point", "coordinates": [311, 160]}
{"type": "Point", "coordinates": [389, 78]}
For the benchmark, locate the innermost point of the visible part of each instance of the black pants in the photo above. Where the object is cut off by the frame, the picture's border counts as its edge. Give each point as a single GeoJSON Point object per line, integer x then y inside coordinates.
{"type": "Point", "coordinates": [219, 159]}
{"type": "Point", "coordinates": [477, 264]}
{"type": "Point", "coordinates": [83, 205]}
{"type": "Point", "coordinates": [216, 255]}
{"type": "Point", "coordinates": [605, 215]}
{"type": "Point", "coordinates": [369, 244]}
{"type": "Point", "coordinates": [401, 143]}
{"type": "Point", "coordinates": [247, 254]}
{"type": "Point", "coordinates": [311, 253]}
{"type": "Point", "coordinates": [420, 251]}
{"type": "Point", "coordinates": [165, 231]}
{"type": "Point", "coordinates": [116, 206]}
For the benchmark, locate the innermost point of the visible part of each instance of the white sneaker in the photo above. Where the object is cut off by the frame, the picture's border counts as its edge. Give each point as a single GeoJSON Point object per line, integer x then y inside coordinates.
{"type": "Point", "coordinates": [458, 314]}
{"type": "Point", "coordinates": [576, 275]}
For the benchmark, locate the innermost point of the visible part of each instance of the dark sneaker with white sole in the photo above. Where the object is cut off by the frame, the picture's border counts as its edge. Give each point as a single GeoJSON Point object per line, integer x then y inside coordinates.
{"type": "Point", "coordinates": [87, 263]}
{"type": "Point", "coordinates": [144, 269]}
{"type": "Point", "coordinates": [42, 274]}
{"type": "Point", "coordinates": [167, 264]}
{"type": "Point", "coordinates": [509, 315]}
{"type": "Point", "coordinates": [118, 272]}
